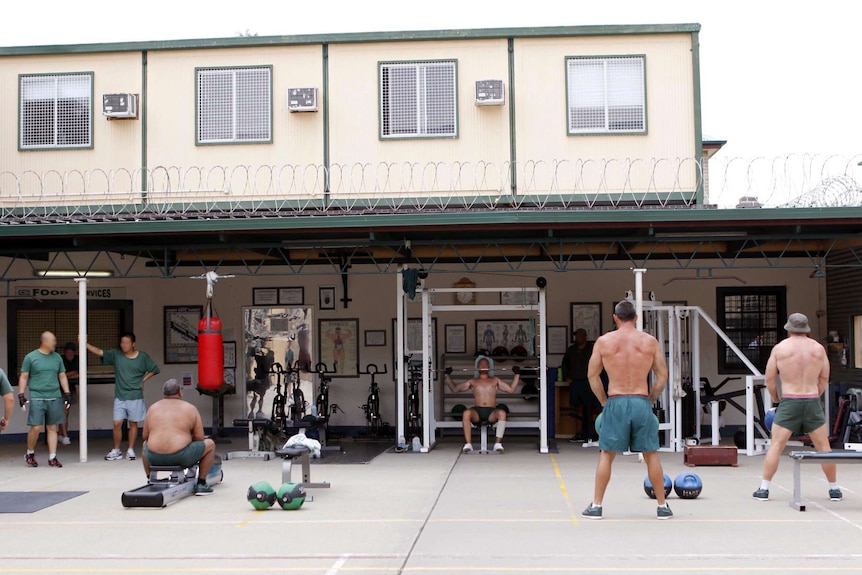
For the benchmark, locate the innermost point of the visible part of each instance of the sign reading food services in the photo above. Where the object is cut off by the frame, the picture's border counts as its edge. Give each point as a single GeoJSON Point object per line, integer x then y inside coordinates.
{"type": "Point", "coordinates": [57, 292]}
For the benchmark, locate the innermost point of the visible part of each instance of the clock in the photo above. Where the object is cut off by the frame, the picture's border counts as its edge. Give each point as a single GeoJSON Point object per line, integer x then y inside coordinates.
{"type": "Point", "coordinates": [465, 297]}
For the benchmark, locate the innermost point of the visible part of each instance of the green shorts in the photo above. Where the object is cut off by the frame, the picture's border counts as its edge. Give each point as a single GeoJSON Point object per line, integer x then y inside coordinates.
{"type": "Point", "coordinates": [47, 411]}
{"type": "Point", "coordinates": [188, 456]}
{"type": "Point", "coordinates": [484, 413]}
{"type": "Point", "coordinates": [800, 415]}
{"type": "Point", "coordinates": [628, 424]}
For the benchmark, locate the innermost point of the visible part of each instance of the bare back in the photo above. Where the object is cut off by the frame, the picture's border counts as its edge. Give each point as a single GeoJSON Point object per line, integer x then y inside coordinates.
{"type": "Point", "coordinates": [628, 356]}
{"type": "Point", "coordinates": [802, 364]}
{"type": "Point", "coordinates": [171, 425]}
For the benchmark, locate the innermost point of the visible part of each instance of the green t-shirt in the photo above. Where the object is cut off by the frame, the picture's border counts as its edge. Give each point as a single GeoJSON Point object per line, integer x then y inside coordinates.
{"type": "Point", "coordinates": [129, 373]}
{"type": "Point", "coordinates": [44, 370]}
{"type": "Point", "coordinates": [5, 386]}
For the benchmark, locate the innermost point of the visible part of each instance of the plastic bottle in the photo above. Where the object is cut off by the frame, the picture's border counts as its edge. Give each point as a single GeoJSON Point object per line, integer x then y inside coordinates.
{"type": "Point", "coordinates": [402, 443]}
{"type": "Point", "coordinates": [417, 445]}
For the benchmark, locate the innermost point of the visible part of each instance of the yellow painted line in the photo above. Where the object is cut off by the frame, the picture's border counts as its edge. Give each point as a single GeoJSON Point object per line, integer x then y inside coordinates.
{"type": "Point", "coordinates": [564, 490]}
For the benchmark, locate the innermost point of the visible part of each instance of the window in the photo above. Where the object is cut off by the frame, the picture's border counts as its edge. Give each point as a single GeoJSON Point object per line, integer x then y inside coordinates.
{"type": "Point", "coordinates": [753, 319]}
{"type": "Point", "coordinates": [56, 111]}
{"type": "Point", "coordinates": [234, 105]}
{"type": "Point", "coordinates": [606, 95]}
{"type": "Point", "coordinates": [417, 99]}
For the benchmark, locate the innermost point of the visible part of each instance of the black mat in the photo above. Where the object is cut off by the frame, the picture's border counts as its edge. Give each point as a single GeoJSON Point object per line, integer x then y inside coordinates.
{"type": "Point", "coordinates": [32, 501]}
{"type": "Point", "coordinates": [354, 452]}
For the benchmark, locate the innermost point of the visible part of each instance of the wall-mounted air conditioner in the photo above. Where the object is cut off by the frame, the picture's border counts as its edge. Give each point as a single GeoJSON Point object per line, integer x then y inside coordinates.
{"type": "Point", "coordinates": [490, 93]}
{"type": "Point", "coordinates": [302, 99]}
{"type": "Point", "coordinates": [120, 105]}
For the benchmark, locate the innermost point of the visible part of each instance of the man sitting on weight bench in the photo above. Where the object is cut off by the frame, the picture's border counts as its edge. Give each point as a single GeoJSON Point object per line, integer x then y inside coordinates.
{"type": "Point", "coordinates": [174, 435]}
{"type": "Point", "coordinates": [484, 385]}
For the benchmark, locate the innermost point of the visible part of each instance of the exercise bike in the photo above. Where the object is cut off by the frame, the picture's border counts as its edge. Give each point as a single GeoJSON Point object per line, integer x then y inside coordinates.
{"type": "Point", "coordinates": [372, 404]}
{"type": "Point", "coordinates": [321, 402]}
{"type": "Point", "coordinates": [278, 417]}
{"type": "Point", "coordinates": [298, 405]}
{"type": "Point", "coordinates": [414, 415]}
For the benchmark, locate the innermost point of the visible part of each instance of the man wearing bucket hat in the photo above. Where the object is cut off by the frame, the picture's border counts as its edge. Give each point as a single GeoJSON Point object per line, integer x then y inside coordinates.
{"type": "Point", "coordinates": [804, 369]}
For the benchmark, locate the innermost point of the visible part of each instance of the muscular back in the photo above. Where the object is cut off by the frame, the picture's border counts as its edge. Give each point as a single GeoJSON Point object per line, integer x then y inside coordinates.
{"type": "Point", "coordinates": [802, 364]}
{"type": "Point", "coordinates": [628, 356]}
{"type": "Point", "coordinates": [171, 425]}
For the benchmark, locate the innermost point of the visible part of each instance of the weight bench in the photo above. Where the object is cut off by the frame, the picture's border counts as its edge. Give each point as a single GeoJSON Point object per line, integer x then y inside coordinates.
{"type": "Point", "coordinates": [254, 428]}
{"type": "Point", "coordinates": [303, 453]}
{"type": "Point", "coordinates": [800, 457]}
{"type": "Point", "coordinates": [180, 483]}
{"type": "Point", "coordinates": [483, 438]}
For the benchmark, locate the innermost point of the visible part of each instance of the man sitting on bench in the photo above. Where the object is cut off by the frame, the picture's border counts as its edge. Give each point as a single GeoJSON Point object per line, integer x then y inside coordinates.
{"type": "Point", "coordinates": [484, 385]}
{"type": "Point", "coordinates": [174, 435]}
{"type": "Point", "coordinates": [804, 369]}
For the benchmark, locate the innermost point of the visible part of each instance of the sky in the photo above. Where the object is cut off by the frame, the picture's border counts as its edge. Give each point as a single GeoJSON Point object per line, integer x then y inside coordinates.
{"type": "Point", "coordinates": [777, 78]}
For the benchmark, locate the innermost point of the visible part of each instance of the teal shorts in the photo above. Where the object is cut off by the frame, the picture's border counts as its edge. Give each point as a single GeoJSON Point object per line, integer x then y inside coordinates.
{"type": "Point", "coordinates": [188, 456]}
{"type": "Point", "coordinates": [628, 424]}
{"type": "Point", "coordinates": [800, 415]}
{"type": "Point", "coordinates": [47, 411]}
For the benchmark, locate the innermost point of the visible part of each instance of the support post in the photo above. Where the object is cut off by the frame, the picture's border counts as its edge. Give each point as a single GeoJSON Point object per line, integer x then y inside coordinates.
{"type": "Point", "coordinates": [428, 427]}
{"type": "Point", "coordinates": [82, 369]}
{"type": "Point", "coordinates": [695, 371]}
{"type": "Point", "coordinates": [639, 296]}
{"type": "Point", "coordinates": [543, 376]}
{"type": "Point", "coordinates": [399, 356]}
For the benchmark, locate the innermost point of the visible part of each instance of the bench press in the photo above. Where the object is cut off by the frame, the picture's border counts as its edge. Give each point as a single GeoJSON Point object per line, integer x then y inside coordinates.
{"type": "Point", "coordinates": [800, 457]}
{"type": "Point", "coordinates": [304, 455]}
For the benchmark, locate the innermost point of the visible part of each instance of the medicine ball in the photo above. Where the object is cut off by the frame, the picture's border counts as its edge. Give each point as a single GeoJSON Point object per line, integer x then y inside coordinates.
{"type": "Point", "coordinates": [261, 495]}
{"type": "Point", "coordinates": [519, 351]}
{"type": "Point", "coordinates": [687, 485]}
{"type": "Point", "coordinates": [458, 410]}
{"type": "Point", "coordinates": [598, 423]}
{"type": "Point", "coordinates": [500, 352]}
{"type": "Point", "coordinates": [504, 407]}
{"type": "Point", "coordinates": [648, 489]}
{"type": "Point", "coordinates": [290, 496]}
{"type": "Point", "coordinates": [770, 417]}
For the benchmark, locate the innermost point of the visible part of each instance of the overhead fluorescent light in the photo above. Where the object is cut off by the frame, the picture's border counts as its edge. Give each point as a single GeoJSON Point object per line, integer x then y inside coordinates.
{"type": "Point", "coordinates": [701, 234]}
{"type": "Point", "coordinates": [74, 274]}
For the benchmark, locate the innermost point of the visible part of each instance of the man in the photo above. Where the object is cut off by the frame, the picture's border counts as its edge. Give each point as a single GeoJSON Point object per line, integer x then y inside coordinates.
{"type": "Point", "coordinates": [804, 369]}
{"type": "Point", "coordinates": [486, 409]}
{"type": "Point", "coordinates": [8, 400]}
{"type": "Point", "coordinates": [575, 364]}
{"type": "Point", "coordinates": [174, 435]}
{"type": "Point", "coordinates": [131, 369]}
{"type": "Point", "coordinates": [338, 337]}
{"type": "Point", "coordinates": [628, 423]}
{"type": "Point", "coordinates": [70, 362]}
{"type": "Point", "coordinates": [43, 371]}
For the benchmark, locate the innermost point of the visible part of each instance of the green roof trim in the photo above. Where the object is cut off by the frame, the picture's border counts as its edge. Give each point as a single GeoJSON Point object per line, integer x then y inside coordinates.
{"type": "Point", "coordinates": [351, 37]}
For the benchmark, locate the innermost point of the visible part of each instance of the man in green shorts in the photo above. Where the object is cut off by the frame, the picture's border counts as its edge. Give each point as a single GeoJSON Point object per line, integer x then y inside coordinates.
{"type": "Point", "coordinates": [628, 423]}
{"type": "Point", "coordinates": [804, 368]}
{"type": "Point", "coordinates": [8, 400]}
{"type": "Point", "coordinates": [43, 371]}
{"type": "Point", "coordinates": [132, 368]}
{"type": "Point", "coordinates": [174, 435]}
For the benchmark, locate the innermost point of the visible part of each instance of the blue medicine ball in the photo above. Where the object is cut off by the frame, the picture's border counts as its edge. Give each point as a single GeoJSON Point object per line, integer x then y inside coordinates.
{"type": "Point", "coordinates": [687, 485]}
{"type": "Point", "coordinates": [770, 417]}
{"type": "Point", "coordinates": [648, 489]}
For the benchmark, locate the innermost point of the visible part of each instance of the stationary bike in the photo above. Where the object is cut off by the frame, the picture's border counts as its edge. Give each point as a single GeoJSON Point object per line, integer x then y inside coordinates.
{"type": "Point", "coordinates": [279, 401]}
{"type": "Point", "coordinates": [321, 403]}
{"type": "Point", "coordinates": [298, 406]}
{"type": "Point", "coordinates": [372, 404]}
{"type": "Point", "coordinates": [414, 415]}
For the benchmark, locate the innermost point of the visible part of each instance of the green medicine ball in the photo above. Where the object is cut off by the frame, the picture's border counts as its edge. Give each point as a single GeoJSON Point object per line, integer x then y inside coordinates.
{"type": "Point", "coordinates": [261, 495]}
{"type": "Point", "coordinates": [290, 496]}
{"type": "Point", "coordinates": [598, 424]}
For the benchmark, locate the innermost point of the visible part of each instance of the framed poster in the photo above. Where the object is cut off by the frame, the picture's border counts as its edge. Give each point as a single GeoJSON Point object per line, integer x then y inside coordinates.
{"type": "Point", "coordinates": [456, 338]}
{"type": "Point", "coordinates": [558, 339]}
{"type": "Point", "coordinates": [264, 296]}
{"type": "Point", "coordinates": [339, 346]}
{"type": "Point", "coordinates": [229, 353]}
{"type": "Point", "coordinates": [181, 333]}
{"type": "Point", "coordinates": [413, 342]}
{"type": "Point", "coordinates": [588, 316]}
{"type": "Point", "coordinates": [500, 336]}
{"type": "Point", "coordinates": [375, 338]}
{"type": "Point", "coordinates": [326, 298]}
{"type": "Point", "coordinates": [230, 377]}
{"type": "Point", "coordinates": [291, 296]}
{"type": "Point", "coordinates": [519, 297]}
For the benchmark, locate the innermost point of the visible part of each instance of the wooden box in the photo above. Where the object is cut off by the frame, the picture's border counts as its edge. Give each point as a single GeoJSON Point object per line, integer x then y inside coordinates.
{"type": "Point", "coordinates": [695, 455]}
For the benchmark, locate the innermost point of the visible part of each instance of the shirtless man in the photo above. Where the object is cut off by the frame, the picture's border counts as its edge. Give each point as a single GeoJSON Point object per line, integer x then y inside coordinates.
{"type": "Point", "coordinates": [174, 435]}
{"type": "Point", "coordinates": [484, 388]}
{"type": "Point", "coordinates": [804, 369]}
{"type": "Point", "coordinates": [628, 423]}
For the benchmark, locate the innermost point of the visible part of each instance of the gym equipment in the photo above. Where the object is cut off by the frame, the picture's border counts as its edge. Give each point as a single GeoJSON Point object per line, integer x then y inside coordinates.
{"type": "Point", "coordinates": [800, 457]}
{"type": "Point", "coordinates": [650, 491]}
{"type": "Point", "coordinates": [414, 413]}
{"type": "Point", "coordinates": [372, 404]}
{"type": "Point", "coordinates": [179, 484]}
{"type": "Point", "coordinates": [261, 495]}
{"type": "Point", "coordinates": [298, 405]}
{"type": "Point", "coordinates": [210, 344]}
{"type": "Point", "coordinates": [260, 444]}
{"type": "Point", "coordinates": [290, 496]}
{"type": "Point", "coordinates": [719, 455]}
{"type": "Point", "coordinates": [770, 417]}
{"type": "Point", "coordinates": [687, 486]}
{"type": "Point", "coordinates": [458, 411]}
{"type": "Point", "coordinates": [279, 415]}
{"type": "Point", "coordinates": [303, 454]}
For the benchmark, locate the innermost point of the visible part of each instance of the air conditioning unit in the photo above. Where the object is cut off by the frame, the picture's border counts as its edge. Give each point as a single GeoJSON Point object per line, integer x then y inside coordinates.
{"type": "Point", "coordinates": [490, 93]}
{"type": "Point", "coordinates": [120, 105]}
{"type": "Point", "coordinates": [302, 99]}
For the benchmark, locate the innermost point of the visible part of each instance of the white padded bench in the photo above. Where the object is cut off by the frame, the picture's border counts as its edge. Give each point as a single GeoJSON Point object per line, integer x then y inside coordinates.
{"type": "Point", "coordinates": [800, 457]}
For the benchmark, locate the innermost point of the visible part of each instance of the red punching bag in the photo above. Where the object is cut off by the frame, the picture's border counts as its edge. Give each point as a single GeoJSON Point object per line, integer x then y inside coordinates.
{"type": "Point", "coordinates": [210, 351]}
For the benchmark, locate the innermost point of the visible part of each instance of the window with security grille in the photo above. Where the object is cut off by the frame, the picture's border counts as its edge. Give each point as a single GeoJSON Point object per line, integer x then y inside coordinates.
{"type": "Point", "coordinates": [606, 95]}
{"type": "Point", "coordinates": [56, 111]}
{"type": "Point", "coordinates": [418, 99]}
{"type": "Point", "coordinates": [753, 319]}
{"type": "Point", "coordinates": [234, 105]}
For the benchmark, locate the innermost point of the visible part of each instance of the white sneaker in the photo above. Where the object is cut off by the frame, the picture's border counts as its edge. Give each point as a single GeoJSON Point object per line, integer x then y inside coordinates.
{"type": "Point", "coordinates": [65, 440]}
{"type": "Point", "coordinates": [130, 454]}
{"type": "Point", "coordinates": [114, 455]}
{"type": "Point", "coordinates": [498, 447]}
{"type": "Point", "coordinates": [468, 448]}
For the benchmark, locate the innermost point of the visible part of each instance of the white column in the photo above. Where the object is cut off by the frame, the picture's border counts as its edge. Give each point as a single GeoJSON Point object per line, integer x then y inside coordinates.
{"type": "Point", "coordinates": [428, 422]}
{"type": "Point", "coordinates": [543, 376]}
{"type": "Point", "coordinates": [82, 368]}
{"type": "Point", "coordinates": [639, 296]}
{"type": "Point", "coordinates": [399, 356]}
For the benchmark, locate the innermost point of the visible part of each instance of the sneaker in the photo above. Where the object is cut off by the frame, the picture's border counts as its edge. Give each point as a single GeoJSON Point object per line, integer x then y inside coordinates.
{"type": "Point", "coordinates": [54, 462]}
{"type": "Point", "coordinates": [130, 454]}
{"type": "Point", "coordinates": [30, 458]}
{"type": "Point", "coordinates": [498, 447]}
{"type": "Point", "coordinates": [114, 455]}
{"type": "Point", "coordinates": [835, 495]}
{"type": "Point", "coordinates": [761, 494]}
{"type": "Point", "coordinates": [592, 512]}
{"type": "Point", "coordinates": [65, 440]}
{"type": "Point", "coordinates": [203, 489]}
{"type": "Point", "coordinates": [577, 439]}
{"type": "Point", "coordinates": [663, 512]}
{"type": "Point", "coordinates": [468, 448]}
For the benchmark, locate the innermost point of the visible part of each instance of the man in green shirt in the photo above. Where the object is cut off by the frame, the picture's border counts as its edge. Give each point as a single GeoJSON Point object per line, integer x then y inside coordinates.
{"type": "Point", "coordinates": [8, 400]}
{"type": "Point", "coordinates": [131, 369]}
{"type": "Point", "coordinates": [43, 371]}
